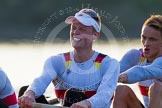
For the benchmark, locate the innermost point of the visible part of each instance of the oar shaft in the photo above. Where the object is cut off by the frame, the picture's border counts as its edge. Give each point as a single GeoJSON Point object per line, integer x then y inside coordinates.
{"type": "Point", "coordinates": [40, 105]}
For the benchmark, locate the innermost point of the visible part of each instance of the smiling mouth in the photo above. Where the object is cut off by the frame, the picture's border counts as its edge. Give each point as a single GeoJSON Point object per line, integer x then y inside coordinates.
{"type": "Point", "coordinates": [76, 39]}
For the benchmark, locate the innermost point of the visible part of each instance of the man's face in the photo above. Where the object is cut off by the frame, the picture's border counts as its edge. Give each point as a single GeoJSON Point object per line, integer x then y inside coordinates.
{"type": "Point", "coordinates": [151, 40]}
{"type": "Point", "coordinates": [81, 36]}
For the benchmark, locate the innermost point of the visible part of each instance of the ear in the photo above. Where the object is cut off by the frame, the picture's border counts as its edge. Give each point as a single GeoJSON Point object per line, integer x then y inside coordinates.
{"type": "Point", "coordinates": [96, 35]}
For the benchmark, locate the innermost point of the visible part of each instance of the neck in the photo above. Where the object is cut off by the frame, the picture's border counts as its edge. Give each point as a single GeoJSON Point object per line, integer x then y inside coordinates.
{"type": "Point", "coordinates": [82, 55]}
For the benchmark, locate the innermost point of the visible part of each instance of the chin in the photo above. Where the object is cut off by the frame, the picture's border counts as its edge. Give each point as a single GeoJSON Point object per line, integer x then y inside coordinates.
{"type": "Point", "coordinates": [146, 55]}
{"type": "Point", "coordinates": [75, 46]}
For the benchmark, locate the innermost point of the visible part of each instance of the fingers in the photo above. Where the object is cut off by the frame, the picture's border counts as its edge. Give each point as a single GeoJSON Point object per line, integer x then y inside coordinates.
{"type": "Point", "coordinates": [81, 104]}
{"type": "Point", "coordinates": [25, 101]}
{"type": "Point", "coordinates": [76, 105]}
{"type": "Point", "coordinates": [158, 80]}
{"type": "Point", "coordinates": [123, 78]}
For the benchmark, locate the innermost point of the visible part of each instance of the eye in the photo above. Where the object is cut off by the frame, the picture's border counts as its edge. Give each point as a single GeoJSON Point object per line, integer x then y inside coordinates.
{"type": "Point", "coordinates": [82, 29]}
{"type": "Point", "coordinates": [153, 39]}
{"type": "Point", "coordinates": [143, 38]}
{"type": "Point", "coordinates": [73, 27]}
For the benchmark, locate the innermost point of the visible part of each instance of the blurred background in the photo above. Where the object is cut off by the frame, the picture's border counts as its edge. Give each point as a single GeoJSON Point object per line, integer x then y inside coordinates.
{"type": "Point", "coordinates": [27, 27]}
{"type": "Point", "coordinates": [21, 20]}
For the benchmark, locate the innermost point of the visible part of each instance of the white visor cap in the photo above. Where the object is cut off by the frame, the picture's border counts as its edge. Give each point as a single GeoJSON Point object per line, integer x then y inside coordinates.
{"type": "Point", "coordinates": [85, 19]}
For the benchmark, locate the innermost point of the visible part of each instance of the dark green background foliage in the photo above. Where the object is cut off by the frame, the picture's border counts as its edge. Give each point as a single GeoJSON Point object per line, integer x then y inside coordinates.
{"type": "Point", "coordinates": [28, 20]}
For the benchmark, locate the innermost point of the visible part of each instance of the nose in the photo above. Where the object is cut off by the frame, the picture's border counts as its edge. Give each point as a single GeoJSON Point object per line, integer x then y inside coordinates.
{"type": "Point", "coordinates": [76, 32]}
{"type": "Point", "coordinates": [146, 42]}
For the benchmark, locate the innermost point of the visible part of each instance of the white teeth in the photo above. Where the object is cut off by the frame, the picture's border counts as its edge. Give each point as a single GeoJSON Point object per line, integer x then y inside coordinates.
{"type": "Point", "coordinates": [76, 39]}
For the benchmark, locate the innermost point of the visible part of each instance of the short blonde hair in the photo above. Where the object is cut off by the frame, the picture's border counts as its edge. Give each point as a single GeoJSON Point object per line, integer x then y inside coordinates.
{"type": "Point", "coordinates": [154, 21]}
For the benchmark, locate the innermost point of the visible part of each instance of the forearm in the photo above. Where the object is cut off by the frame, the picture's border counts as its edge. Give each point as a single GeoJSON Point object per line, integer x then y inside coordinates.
{"type": "Point", "coordinates": [139, 73]}
{"type": "Point", "coordinates": [101, 100]}
{"type": "Point", "coordinates": [40, 84]}
{"type": "Point", "coordinates": [38, 87]}
{"type": "Point", "coordinates": [106, 89]}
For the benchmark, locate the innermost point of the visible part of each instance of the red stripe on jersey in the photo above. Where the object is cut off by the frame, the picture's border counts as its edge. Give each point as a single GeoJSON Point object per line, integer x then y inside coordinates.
{"type": "Point", "coordinates": [143, 90]}
{"type": "Point", "coordinates": [60, 93]}
{"type": "Point", "coordinates": [100, 57]}
{"type": "Point", "coordinates": [10, 100]}
{"type": "Point", "coordinates": [67, 56]}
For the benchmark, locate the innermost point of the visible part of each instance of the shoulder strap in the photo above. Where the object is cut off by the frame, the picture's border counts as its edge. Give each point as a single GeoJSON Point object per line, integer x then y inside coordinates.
{"type": "Point", "coordinates": [67, 59]}
{"type": "Point", "coordinates": [96, 63]}
{"type": "Point", "coordinates": [142, 58]}
{"type": "Point", "coordinates": [98, 60]}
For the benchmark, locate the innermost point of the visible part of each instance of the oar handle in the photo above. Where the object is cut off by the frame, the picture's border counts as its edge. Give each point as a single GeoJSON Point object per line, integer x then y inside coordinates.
{"type": "Point", "coordinates": [40, 105]}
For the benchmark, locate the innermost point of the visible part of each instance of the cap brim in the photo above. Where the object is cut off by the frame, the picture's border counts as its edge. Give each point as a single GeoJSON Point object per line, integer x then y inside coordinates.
{"type": "Point", "coordinates": [73, 19]}
{"type": "Point", "coordinates": [70, 20]}
{"type": "Point", "coordinates": [84, 19]}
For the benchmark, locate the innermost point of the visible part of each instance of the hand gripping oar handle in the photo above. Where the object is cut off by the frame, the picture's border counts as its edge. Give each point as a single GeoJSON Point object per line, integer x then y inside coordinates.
{"type": "Point", "coordinates": [40, 105]}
